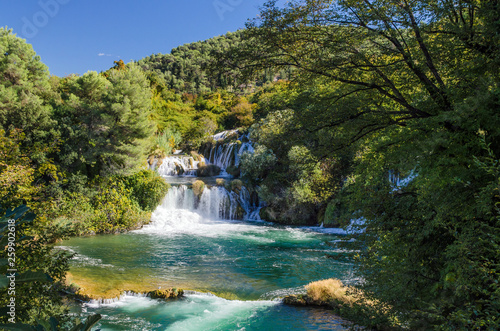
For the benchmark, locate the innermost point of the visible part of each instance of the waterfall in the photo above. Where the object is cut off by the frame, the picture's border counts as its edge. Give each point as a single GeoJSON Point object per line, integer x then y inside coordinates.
{"type": "Point", "coordinates": [215, 203]}
{"type": "Point", "coordinates": [225, 151]}
{"type": "Point", "coordinates": [176, 165]}
{"type": "Point", "coordinates": [222, 155]}
{"type": "Point", "coordinates": [397, 182]}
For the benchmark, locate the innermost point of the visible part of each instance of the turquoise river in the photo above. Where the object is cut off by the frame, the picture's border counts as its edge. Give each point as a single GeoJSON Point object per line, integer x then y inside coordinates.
{"type": "Point", "coordinates": [236, 272]}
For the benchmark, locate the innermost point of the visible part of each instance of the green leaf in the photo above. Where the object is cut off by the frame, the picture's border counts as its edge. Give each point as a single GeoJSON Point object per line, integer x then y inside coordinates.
{"type": "Point", "coordinates": [4, 281]}
{"type": "Point", "coordinates": [89, 323]}
{"type": "Point", "coordinates": [33, 276]}
{"type": "Point", "coordinates": [17, 327]}
{"type": "Point", "coordinates": [54, 323]}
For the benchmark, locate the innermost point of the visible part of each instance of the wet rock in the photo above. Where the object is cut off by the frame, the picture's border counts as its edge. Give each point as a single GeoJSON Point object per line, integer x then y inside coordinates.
{"type": "Point", "coordinates": [171, 293]}
{"type": "Point", "coordinates": [240, 213]}
{"type": "Point", "coordinates": [268, 214]}
{"type": "Point", "coordinates": [254, 199]}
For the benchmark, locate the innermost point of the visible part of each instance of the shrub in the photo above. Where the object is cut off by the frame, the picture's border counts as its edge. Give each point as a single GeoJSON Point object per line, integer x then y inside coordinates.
{"type": "Point", "coordinates": [208, 170]}
{"type": "Point", "coordinates": [236, 185]}
{"type": "Point", "coordinates": [198, 187]}
{"type": "Point", "coordinates": [329, 290]}
{"type": "Point", "coordinates": [147, 189]}
{"type": "Point", "coordinates": [115, 210]}
{"type": "Point", "coordinates": [168, 140]}
{"type": "Point", "coordinates": [233, 171]}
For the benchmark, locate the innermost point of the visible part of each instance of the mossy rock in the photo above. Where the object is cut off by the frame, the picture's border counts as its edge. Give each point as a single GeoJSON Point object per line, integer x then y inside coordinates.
{"type": "Point", "coordinates": [171, 293]}
{"type": "Point", "coordinates": [208, 170]}
{"type": "Point", "coordinates": [220, 182]}
{"type": "Point", "coordinates": [198, 187]}
{"type": "Point", "coordinates": [233, 171]}
{"type": "Point", "coordinates": [230, 137]}
{"type": "Point", "coordinates": [236, 185]}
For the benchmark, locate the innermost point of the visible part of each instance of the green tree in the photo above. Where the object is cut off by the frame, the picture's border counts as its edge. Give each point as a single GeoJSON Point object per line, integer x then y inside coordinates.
{"type": "Point", "coordinates": [105, 120]}
{"type": "Point", "coordinates": [409, 85]}
{"type": "Point", "coordinates": [23, 88]}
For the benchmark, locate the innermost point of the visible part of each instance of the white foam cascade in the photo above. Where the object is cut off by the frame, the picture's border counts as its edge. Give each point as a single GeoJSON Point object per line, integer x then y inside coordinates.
{"type": "Point", "coordinates": [182, 212]}
{"type": "Point", "coordinates": [225, 154]}
{"type": "Point", "coordinates": [175, 165]}
{"type": "Point", "coordinates": [397, 182]}
{"type": "Point", "coordinates": [222, 154]}
{"type": "Point", "coordinates": [215, 203]}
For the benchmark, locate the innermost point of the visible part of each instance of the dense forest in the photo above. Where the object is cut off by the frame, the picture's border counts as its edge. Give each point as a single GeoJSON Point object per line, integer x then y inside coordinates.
{"type": "Point", "coordinates": [381, 111]}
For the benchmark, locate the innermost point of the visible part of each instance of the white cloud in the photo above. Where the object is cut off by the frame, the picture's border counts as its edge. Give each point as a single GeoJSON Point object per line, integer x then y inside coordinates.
{"type": "Point", "coordinates": [104, 54]}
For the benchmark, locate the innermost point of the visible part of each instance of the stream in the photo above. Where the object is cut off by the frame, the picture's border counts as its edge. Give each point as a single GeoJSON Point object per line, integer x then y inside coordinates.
{"type": "Point", "coordinates": [235, 271]}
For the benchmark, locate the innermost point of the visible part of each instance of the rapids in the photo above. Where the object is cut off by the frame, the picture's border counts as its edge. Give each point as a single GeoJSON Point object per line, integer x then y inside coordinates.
{"type": "Point", "coordinates": [197, 244]}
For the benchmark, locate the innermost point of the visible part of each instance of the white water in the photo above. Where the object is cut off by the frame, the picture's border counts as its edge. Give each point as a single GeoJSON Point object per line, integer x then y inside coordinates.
{"type": "Point", "coordinates": [197, 311]}
{"type": "Point", "coordinates": [175, 165]}
{"type": "Point", "coordinates": [221, 154]}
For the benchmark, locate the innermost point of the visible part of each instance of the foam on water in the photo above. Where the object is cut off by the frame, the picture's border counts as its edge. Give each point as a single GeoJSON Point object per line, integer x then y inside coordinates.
{"type": "Point", "coordinates": [196, 311]}
{"type": "Point", "coordinates": [174, 222]}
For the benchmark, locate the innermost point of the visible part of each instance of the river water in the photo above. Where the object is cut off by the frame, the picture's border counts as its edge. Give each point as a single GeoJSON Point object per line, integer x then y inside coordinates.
{"type": "Point", "coordinates": [236, 271]}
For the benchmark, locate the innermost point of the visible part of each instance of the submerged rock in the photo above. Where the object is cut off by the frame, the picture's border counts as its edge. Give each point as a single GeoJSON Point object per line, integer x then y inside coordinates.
{"type": "Point", "coordinates": [171, 293]}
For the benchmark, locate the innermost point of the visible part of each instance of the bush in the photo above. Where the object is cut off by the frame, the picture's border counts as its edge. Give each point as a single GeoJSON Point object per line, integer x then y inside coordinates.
{"type": "Point", "coordinates": [147, 188]}
{"type": "Point", "coordinates": [329, 290]}
{"type": "Point", "coordinates": [168, 140]}
{"type": "Point", "coordinates": [198, 187]}
{"type": "Point", "coordinates": [109, 205]}
{"type": "Point", "coordinates": [236, 185]}
{"type": "Point", "coordinates": [208, 170]}
{"type": "Point", "coordinates": [115, 210]}
{"type": "Point", "coordinates": [233, 171]}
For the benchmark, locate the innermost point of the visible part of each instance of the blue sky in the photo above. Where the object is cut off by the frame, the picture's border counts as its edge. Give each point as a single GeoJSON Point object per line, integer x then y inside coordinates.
{"type": "Point", "coordinates": [75, 36]}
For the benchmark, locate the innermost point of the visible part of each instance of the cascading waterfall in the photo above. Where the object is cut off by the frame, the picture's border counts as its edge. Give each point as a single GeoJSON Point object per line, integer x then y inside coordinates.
{"type": "Point", "coordinates": [215, 203]}
{"type": "Point", "coordinates": [222, 154]}
{"type": "Point", "coordinates": [397, 182]}
{"type": "Point", "coordinates": [179, 165]}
